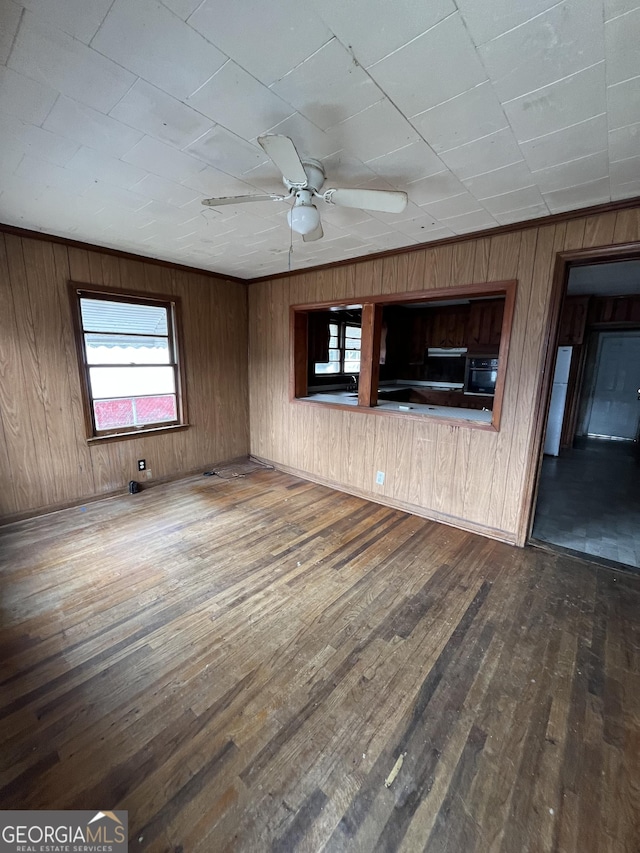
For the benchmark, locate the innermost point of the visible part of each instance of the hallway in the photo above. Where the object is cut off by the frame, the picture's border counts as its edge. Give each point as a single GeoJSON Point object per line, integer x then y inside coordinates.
{"type": "Point", "coordinates": [589, 500]}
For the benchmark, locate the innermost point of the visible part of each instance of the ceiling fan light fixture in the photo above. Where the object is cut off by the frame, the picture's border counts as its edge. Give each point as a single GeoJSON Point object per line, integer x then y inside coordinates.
{"type": "Point", "coordinates": [303, 218]}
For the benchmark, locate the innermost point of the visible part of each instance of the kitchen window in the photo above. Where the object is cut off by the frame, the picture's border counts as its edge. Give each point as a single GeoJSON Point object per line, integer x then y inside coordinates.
{"type": "Point", "coordinates": [343, 351]}
{"type": "Point", "coordinates": [128, 351]}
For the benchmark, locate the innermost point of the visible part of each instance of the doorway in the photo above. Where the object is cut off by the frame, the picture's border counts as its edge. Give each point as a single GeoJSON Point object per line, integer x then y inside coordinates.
{"type": "Point", "coordinates": [588, 499]}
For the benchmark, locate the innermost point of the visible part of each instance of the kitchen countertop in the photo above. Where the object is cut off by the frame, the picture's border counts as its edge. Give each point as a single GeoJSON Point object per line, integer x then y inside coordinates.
{"type": "Point", "coordinates": [349, 398]}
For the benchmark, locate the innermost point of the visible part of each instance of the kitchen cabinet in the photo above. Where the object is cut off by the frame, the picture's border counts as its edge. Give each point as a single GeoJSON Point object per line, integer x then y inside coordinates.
{"type": "Point", "coordinates": [447, 326]}
{"type": "Point", "coordinates": [619, 310]}
{"type": "Point", "coordinates": [573, 321]}
{"type": "Point", "coordinates": [485, 326]}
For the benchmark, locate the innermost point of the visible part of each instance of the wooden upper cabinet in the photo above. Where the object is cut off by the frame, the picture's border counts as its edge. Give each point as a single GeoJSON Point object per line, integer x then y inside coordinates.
{"type": "Point", "coordinates": [485, 325]}
{"type": "Point", "coordinates": [573, 321]}
{"type": "Point", "coordinates": [619, 310]}
{"type": "Point", "coordinates": [447, 326]}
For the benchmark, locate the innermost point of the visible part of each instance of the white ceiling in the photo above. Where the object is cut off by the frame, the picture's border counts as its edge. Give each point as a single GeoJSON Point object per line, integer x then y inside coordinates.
{"type": "Point", "coordinates": [118, 116]}
{"type": "Point", "coordinates": [616, 279]}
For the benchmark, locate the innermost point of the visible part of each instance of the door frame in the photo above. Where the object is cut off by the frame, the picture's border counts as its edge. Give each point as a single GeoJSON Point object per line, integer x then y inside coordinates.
{"type": "Point", "coordinates": [564, 261]}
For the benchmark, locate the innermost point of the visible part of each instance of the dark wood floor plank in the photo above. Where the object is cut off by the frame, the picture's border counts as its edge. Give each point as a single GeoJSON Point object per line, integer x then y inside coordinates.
{"type": "Point", "coordinates": [241, 663]}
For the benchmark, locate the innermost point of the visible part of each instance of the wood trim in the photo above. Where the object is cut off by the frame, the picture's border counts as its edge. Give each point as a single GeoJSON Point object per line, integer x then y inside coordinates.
{"type": "Point", "coordinates": [563, 262]}
{"type": "Point", "coordinates": [299, 345]}
{"type": "Point", "coordinates": [119, 253]}
{"type": "Point", "coordinates": [503, 353]}
{"type": "Point", "coordinates": [499, 230]}
{"type": "Point", "coordinates": [136, 433]}
{"type": "Point", "coordinates": [370, 354]}
{"type": "Point", "coordinates": [490, 288]}
{"type": "Point", "coordinates": [430, 515]}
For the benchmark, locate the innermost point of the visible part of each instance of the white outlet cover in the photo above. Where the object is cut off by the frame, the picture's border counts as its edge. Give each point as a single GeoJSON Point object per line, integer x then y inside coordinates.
{"type": "Point", "coordinates": [148, 473]}
{"type": "Point", "coordinates": [380, 478]}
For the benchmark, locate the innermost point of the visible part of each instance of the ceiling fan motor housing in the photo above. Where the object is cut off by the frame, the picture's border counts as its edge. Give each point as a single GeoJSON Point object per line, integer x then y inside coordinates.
{"type": "Point", "coordinates": [314, 171]}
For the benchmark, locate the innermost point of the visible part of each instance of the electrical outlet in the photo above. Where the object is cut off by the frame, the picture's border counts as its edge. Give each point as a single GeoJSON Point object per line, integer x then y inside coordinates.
{"type": "Point", "coordinates": [380, 478]}
{"type": "Point", "coordinates": [149, 475]}
{"type": "Point", "coordinates": [142, 464]}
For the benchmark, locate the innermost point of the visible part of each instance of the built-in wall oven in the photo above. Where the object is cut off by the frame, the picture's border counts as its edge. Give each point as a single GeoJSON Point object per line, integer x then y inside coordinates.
{"type": "Point", "coordinates": [445, 367]}
{"type": "Point", "coordinates": [481, 375]}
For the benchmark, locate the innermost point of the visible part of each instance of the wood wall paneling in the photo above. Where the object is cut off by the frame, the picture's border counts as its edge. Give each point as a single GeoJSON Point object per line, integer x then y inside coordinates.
{"type": "Point", "coordinates": [472, 478]}
{"type": "Point", "coordinates": [45, 461]}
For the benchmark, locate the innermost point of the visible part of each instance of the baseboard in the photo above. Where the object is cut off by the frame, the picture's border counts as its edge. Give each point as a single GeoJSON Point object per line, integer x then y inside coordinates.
{"type": "Point", "coordinates": [37, 512]}
{"type": "Point", "coordinates": [430, 515]}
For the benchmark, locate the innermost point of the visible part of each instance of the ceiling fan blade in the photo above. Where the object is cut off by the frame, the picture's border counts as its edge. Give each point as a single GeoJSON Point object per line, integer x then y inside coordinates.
{"type": "Point", "coordinates": [388, 201]}
{"type": "Point", "coordinates": [240, 199]}
{"type": "Point", "coordinates": [316, 234]}
{"type": "Point", "coordinates": [283, 153]}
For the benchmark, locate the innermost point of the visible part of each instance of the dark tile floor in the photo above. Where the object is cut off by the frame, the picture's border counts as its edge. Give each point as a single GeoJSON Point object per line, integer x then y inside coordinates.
{"type": "Point", "coordinates": [589, 500]}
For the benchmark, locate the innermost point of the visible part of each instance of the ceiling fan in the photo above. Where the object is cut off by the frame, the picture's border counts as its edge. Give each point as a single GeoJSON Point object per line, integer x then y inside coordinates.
{"type": "Point", "coordinates": [304, 180]}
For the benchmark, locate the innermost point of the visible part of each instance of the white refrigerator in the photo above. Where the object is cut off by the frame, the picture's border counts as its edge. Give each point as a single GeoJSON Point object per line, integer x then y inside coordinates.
{"type": "Point", "coordinates": [558, 401]}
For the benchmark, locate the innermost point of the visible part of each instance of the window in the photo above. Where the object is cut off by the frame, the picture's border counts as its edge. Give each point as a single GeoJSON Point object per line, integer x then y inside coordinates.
{"type": "Point", "coordinates": [344, 350]}
{"type": "Point", "coordinates": [128, 350]}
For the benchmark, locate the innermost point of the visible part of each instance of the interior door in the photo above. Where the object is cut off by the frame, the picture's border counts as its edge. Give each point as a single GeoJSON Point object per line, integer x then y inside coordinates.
{"type": "Point", "coordinates": [614, 409]}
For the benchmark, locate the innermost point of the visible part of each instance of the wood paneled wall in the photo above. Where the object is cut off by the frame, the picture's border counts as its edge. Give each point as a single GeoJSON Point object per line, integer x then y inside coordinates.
{"type": "Point", "coordinates": [470, 478]}
{"type": "Point", "coordinates": [45, 460]}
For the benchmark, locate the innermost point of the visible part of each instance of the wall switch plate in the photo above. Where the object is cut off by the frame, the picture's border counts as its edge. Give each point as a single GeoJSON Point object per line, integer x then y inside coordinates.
{"type": "Point", "coordinates": [142, 464]}
{"type": "Point", "coordinates": [380, 478]}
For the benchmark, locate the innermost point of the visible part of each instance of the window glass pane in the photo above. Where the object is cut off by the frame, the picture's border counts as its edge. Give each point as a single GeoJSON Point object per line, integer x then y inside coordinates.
{"type": "Point", "coordinates": [334, 355]}
{"type": "Point", "coordinates": [125, 349]}
{"type": "Point", "coordinates": [102, 315]}
{"type": "Point", "coordinates": [333, 328]}
{"type": "Point", "coordinates": [333, 342]}
{"type": "Point", "coordinates": [154, 410]}
{"type": "Point", "coordinates": [354, 332]}
{"type": "Point", "coordinates": [134, 411]}
{"type": "Point", "coordinates": [327, 367]}
{"type": "Point", "coordinates": [109, 382]}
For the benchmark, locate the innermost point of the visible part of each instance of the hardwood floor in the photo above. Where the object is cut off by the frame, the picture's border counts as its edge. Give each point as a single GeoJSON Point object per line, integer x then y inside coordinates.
{"type": "Point", "coordinates": [242, 663]}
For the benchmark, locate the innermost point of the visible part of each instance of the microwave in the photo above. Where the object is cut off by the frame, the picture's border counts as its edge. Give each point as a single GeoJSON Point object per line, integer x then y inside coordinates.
{"type": "Point", "coordinates": [481, 375]}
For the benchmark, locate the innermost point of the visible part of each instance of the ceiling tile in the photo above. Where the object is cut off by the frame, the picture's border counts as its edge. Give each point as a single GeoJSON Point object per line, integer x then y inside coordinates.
{"type": "Point", "coordinates": [238, 102]}
{"type": "Point", "coordinates": [11, 157]}
{"type": "Point", "coordinates": [577, 172]}
{"type": "Point", "coordinates": [407, 164]}
{"type": "Point", "coordinates": [341, 168]}
{"type": "Point", "coordinates": [461, 119]}
{"type": "Point", "coordinates": [613, 8]}
{"type": "Point", "coordinates": [523, 214]}
{"type": "Point", "coordinates": [213, 183]}
{"type": "Point", "coordinates": [420, 227]}
{"type": "Point", "coordinates": [596, 192]}
{"type": "Point", "coordinates": [10, 13]}
{"type": "Point", "coordinates": [567, 102]}
{"type": "Point", "coordinates": [457, 205]}
{"type": "Point", "coordinates": [413, 76]}
{"type": "Point", "coordinates": [35, 171]}
{"type": "Point", "coordinates": [434, 188]}
{"type": "Point", "coordinates": [116, 195]}
{"type": "Point", "coordinates": [517, 176]}
{"type": "Point", "coordinates": [375, 131]}
{"type": "Point", "coordinates": [561, 41]}
{"type": "Point", "coordinates": [628, 190]}
{"type": "Point", "coordinates": [328, 87]}
{"type": "Point", "coordinates": [624, 142]}
{"type": "Point", "coordinates": [627, 170]}
{"type": "Point", "coordinates": [485, 24]}
{"type": "Point", "coordinates": [79, 18]}
{"type": "Point", "coordinates": [623, 103]}
{"type": "Point", "coordinates": [182, 8]}
{"type": "Point", "coordinates": [374, 28]}
{"type": "Point", "coordinates": [582, 139]}
{"type": "Point", "coordinates": [91, 128]}
{"type": "Point", "coordinates": [622, 36]}
{"type": "Point", "coordinates": [35, 141]}
{"type": "Point", "coordinates": [155, 113]}
{"type": "Point", "coordinates": [228, 152]}
{"type": "Point", "coordinates": [149, 40]}
{"type": "Point", "coordinates": [98, 166]}
{"type": "Point", "coordinates": [266, 39]}
{"type": "Point", "coordinates": [475, 221]}
{"type": "Point", "coordinates": [494, 151]}
{"type": "Point", "coordinates": [309, 140]}
{"type": "Point", "coordinates": [162, 160]}
{"type": "Point", "coordinates": [516, 200]}
{"type": "Point", "coordinates": [160, 189]}
{"type": "Point", "coordinates": [54, 58]}
{"type": "Point", "coordinates": [24, 98]}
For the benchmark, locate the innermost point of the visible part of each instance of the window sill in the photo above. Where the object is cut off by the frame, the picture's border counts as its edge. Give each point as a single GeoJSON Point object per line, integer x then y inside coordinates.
{"type": "Point", "coordinates": [122, 436]}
